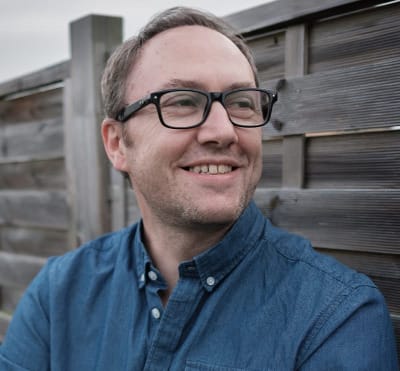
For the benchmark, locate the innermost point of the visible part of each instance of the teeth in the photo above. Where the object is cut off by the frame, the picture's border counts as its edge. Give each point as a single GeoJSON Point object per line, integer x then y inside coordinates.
{"type": "Point", "coordinates": [211, 169]}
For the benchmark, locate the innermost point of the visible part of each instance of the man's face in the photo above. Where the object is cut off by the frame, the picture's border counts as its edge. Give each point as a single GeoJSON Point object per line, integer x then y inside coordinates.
{"type": "Point", "coordinates": [161, 162]}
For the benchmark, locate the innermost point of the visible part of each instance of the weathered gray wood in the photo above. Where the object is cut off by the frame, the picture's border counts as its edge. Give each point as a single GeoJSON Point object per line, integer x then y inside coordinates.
{"type": "Point", "coordinates": [38, 174]}
{"type": "Point", "coordinates": [365, 160]}
{"type": "Point", "coordinates": [296, 65]}
{"type": "Point", "coordinates": [293, 161]}
{"type": "Point", "coordinates": [18, 270]}
{"type": "Point", "coordinates": [43, 77]}
{"type": "Point", "coordinates": [389, 289]}
{"type": "Point", "coordinates": [35, 107]}
{"type": "Point", "coordinates": [47, 209]}
{"type": "Point", "coordinates": [355, 39]}
{"type": "Point", "coordinates": [279, 14]}
{"type": "Point", "coordinates": [4, 322]}
{"type": "Point", "coordinates": [34, 140]}
{"type": "Point", "coordinates": [356, 220]}
{"type": "Point", "coordinates": [269, 55]}
{"type": "Point", "coordinates": [92, 39]}
{"type": "Point", "coordinates": [361, 97]}
{"type": "Point", "coordinates": [272, 164]}
{"type": "Point", "coordinates": [33, 241]}
{"type": "Point", "coordinates": [296, 51]}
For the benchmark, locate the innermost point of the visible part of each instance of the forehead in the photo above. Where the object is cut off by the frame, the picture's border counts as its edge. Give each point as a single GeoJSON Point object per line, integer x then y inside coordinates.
{"type": "Point", "coordinates": [197, 54]}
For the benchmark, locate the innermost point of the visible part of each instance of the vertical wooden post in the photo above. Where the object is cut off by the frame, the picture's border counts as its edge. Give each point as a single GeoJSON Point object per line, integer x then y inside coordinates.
{"type": "Point", "coordinates": [296, 64]}
{"type": "Point", "coordinates": [92, 40]}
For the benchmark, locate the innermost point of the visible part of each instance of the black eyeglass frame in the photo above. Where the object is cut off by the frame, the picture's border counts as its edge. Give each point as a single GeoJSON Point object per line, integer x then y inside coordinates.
{"type": "Point", "coordinates": [154, 98]}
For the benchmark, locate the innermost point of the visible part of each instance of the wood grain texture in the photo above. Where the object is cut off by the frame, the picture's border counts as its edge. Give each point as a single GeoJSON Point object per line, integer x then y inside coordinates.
{"type": "Point", "coordinates": [33, 107]}
{"type": "Point", "coordinates": [360, 97]}
{"type": "Point", "coordinates": [92, 40]}
{"type": "Point", "coordinates": [37, 174]}
{"type": "Point", "coordinates": [43, 77]}
{"type": "Point", "coordinates": [46, 209]}
{"type": "Point", "coordinates": [279, 14]}
{"type": "Point", "coordinates": [33, 140]}
{"type": "Point", "coordinates": [272, 164]}
{"type": "Point", "coordinates": [33, 241]}
{"type": "Point", "coordinates": [355, 39]}
{"type": "Point", "coordinates": [355, 220]}
{"type": "Point", "coordinates": [269, 55]}
{"type": "Point", "coordinates": [362, 161]}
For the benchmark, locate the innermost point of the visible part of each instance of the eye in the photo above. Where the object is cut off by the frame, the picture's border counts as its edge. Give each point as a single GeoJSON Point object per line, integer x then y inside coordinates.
{"type": "Point", "coordinates": [180, 100]}
{"type": "Point", "coordinates": [239, 102]}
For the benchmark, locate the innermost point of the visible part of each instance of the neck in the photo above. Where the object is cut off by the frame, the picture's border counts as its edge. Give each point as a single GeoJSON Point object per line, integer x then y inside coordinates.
{"type": "Point", "coordinates": [169, 245]}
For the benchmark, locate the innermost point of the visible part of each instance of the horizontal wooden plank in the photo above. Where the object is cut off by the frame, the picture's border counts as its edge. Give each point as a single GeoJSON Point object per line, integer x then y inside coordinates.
{"type": "Point", "coordinates": [365, 160]}
{"type": "Point", "coordinates": [4, 322]}
{"type": "Point", "coordinates": [33, 107]}
{"type": "Point", "coordinates": [33, 140]}
{"type": "Point", "coordinates": [33, 241]}
{"type": "Point", "coordinates": [43, 77]}
{"type": "Point", "coordinates": [355, 39]}
{"type": "Point", "coordinates": [354, 98]}
{"type": "Point", "coordinates": [38, 174]}
{"type": "Point", "coordinates": [356, 220]}
{"type": "Point", "coordinates": [47, 209]}
{"type": "Point", "coordinates": [18, 270]}
{"type": "Point", "coordinates": [278, 14]}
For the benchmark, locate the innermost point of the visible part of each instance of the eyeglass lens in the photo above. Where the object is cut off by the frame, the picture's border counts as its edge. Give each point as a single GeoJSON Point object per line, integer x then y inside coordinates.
{"type": "Point", "coordinates": [187, 108]}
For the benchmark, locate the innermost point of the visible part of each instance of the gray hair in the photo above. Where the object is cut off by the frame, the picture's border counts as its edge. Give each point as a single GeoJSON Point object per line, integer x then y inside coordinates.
{"type": "Point", "coordinates": [113, 84]}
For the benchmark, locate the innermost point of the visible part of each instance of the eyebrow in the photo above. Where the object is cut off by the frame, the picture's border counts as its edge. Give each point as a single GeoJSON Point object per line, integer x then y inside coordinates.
{"type": "Point", "coordinates": [192, 84]}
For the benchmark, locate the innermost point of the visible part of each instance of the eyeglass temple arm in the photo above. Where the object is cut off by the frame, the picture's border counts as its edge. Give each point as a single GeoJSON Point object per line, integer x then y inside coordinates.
{"type": "Point", "coordinates": [125, 113]}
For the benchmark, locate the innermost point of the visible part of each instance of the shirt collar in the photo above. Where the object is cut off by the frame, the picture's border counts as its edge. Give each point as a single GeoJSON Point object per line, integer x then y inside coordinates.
{"type": "Point", "coordinates": [217, 262]}
{"type": "Point", "coordinates": [213, 265]}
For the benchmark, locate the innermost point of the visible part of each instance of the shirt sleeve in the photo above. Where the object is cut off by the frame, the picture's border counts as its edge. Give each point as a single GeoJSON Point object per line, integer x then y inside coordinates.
{"type": "Point", "coordinates": [358, 335]}
{"type": "Point", "coordinates": [26, 344]}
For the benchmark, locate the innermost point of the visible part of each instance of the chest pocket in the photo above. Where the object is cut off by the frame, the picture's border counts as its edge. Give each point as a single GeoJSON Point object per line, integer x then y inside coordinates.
{"type": "Point", "coordinates": [201, 366]}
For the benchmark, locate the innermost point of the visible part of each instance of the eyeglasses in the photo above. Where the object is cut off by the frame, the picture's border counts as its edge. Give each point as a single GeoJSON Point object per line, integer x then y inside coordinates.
{"type": "Point", "coordinates": [188, 108]}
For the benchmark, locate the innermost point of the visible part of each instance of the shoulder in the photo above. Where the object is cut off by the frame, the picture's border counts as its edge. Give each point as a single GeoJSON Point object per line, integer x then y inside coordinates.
{"type": "Point", "coordinates": [100, 254]}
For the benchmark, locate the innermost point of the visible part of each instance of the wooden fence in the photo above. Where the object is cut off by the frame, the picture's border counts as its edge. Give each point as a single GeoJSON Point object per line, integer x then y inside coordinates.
{"type": "Point", "coordinates": [331, 152]}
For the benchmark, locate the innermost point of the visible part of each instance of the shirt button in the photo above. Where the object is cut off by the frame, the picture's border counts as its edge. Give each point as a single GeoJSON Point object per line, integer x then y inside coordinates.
{"type": "Point", "coordinates": [155, 312]}
{"type": "Point", "coordinates": [210, 281]}
{"type": "Point", "coordinates": [152, 275]}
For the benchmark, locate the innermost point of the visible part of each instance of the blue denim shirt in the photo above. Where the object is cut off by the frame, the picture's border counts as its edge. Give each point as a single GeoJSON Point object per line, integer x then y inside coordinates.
{"type": "Point", "coordinates": [261, 299]}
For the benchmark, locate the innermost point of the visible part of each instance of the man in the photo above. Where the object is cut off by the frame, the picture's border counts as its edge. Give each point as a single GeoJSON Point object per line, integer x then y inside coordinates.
{"type": "Point", "coordinates": [204, 281]}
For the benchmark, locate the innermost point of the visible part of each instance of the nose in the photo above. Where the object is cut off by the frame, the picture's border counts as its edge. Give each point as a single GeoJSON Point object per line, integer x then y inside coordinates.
{"type": "Point", "coordinates": [217, 129]}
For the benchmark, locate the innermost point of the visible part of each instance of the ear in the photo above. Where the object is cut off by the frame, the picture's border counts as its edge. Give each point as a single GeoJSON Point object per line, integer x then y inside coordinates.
{"type": "Point", "coordinates": [111, 132]}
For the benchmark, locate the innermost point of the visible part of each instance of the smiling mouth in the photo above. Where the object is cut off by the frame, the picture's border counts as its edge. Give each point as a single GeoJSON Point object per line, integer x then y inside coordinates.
{"type": "Point", "coordinates": [211, 169]}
